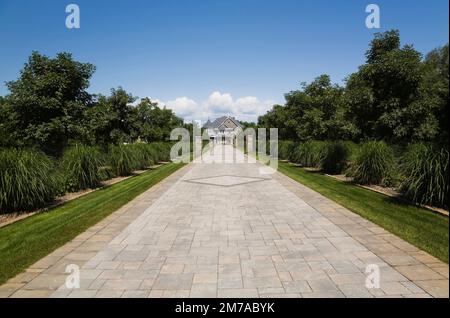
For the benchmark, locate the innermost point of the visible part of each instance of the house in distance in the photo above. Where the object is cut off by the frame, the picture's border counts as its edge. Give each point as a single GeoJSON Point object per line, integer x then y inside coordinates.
{"type": "Point", "coordinates": [224, 129]}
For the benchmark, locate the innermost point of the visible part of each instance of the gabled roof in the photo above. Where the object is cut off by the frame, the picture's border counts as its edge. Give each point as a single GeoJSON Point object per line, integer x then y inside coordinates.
{"type": "Point", "coordinates": [219, 121]}
{"type": "Point", "coordinates": [207, 124]}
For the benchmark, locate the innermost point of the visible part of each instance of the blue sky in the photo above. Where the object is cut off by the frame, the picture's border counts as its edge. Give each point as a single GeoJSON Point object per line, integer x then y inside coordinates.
{"type": "Point", "coordinates": [208, 57]}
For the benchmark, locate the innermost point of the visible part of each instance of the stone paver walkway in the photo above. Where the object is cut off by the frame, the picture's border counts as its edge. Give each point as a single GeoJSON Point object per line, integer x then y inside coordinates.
{"type": "Point", "coordinates": [226, 230]}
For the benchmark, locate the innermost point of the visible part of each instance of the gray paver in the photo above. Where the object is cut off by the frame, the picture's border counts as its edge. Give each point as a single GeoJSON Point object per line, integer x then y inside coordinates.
{"type": "Point", "coordinates": [226, 230]}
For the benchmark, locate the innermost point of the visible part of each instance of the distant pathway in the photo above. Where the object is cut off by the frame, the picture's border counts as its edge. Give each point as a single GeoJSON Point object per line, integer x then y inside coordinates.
{"type": "Point", "coordinates": [225, 230]}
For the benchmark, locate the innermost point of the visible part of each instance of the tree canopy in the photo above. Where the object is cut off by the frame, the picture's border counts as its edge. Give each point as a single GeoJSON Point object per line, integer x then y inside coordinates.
{"type": "Point", "coordinates": [49, 106]}
{"type": "Point", "coordinates": [397, 95]}
{"type": "Point", "coordinates": [47, 101]}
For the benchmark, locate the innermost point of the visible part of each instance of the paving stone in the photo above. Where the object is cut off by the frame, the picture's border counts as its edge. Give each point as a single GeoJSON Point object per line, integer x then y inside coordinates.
{"type": "Point", "coordinates": [395, 288]}
{"type": "Point", "coordinates": [355, 291]}
{"type": "Point", "coordinates": [173, 281]}
{"type": "Point", "coordinates": [297, 287]}
{"type": "Point", "coordinates": [36, 293]}
{"type": "Point", "coordinates": [418, 272]}
{"type": "Point", "coordinates": [82, 293]}
{"type": "Point", "coordinates": [46, 282]}
{"type": "Point", "coordinates": [203, 291]}
{"type": "Point", "coordinates": [135, 294]}
{"type": "Point", "coordinates": [172, 269]}
{"type": "Point", "coordinates": [324, 294]}
{"type": "Point", "coordinates": [320, 285]}
{"type": "Point", "coordinates": [238, 293]}
{"type": "Point", "coordinates": [436, 288]}
{"type": "Point", "coordinates": [109, 294]}
{"type": "Point", "coordinates": [226, 230]}
{"type": "Point", "coordinates": [121, 284]}
{"type": "Point", "coordinates": [341, 279]}
{"type": "Point", "coordinates": [230, 282]}
{"type": "Point", "coordinates": [262, 282]}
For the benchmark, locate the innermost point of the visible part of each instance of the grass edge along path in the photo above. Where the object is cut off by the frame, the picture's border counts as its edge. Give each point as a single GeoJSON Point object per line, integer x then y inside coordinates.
{"type": "Point", "coordinates": [26, 241]}
{"type": "Point", "coordinates": [420, 227]}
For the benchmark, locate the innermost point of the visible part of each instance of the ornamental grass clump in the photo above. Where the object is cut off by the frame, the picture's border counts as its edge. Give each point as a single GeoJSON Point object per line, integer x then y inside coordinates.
{"type": "Point", "coordinates": [426, 172]}
{"type": "Point", "coordinates": [373, 164]}
{"type": "Point", "coordinates": [285, 149]}
{"type": "Point", "coordinates": [163, 150]}
{"type": "Point", "coordinates": [27, 180]}
{"type": "Point", "coordinates": [335, 157]}
{"type": "Point", "coordinates": [81, 168]}
{"type": "Point", "coordinates": [144, 154]}
{"type": "Point", "coordinates": [309, 153]}
{"type": "Point", "coordinates": [123, 160]}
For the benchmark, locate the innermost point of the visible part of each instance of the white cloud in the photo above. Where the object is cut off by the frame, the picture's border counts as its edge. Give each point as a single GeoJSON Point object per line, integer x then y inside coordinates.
{"type": "Point", "coordinates": [250, 105]}
{"type": "Point", "coordinates": [183, 106]}
{"type": "Point", "coordinates": [159, 102]}
{"type": "Point", "coordinates": [218, 104]}
{"type": "Point", "coordinates": [246, 108]}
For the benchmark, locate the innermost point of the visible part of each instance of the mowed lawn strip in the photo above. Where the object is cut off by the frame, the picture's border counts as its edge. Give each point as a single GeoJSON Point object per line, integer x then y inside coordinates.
{"type": "Point", "coordinates": [25, 242]}
{"type": "Point", "coordinates": [420, 227]}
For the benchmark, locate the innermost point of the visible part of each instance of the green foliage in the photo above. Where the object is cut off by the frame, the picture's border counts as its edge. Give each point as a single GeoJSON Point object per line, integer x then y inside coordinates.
{"type": "Point", "coordinates": [146, 154]}
{"type": "Point", "coordinates": [395, 96]}
{"type": "Point", "coordinates": [151, 123]}
{"type": "Point", "coordinates": [309, 153]}
{"type": "Point", "coordinates": [109, 118]}
{"type": "Point", "coordinates": [335, 157]}
{"type": "Point", "coordinates": [163, 150]}
{"type": "Point", "coordinates": [27, 180]}
{"type": "Point", "coordinates": [81, 168]}
{"type": "Point", "coordinates": [313, 112]}
{"type": "Point", "coordinates": [353, 149]}
{"type": "Point", "coordinates": [382, 44]}
{"type": "Point", "coordinates": [426, 175]}
{"type": "Point", "coordinates": [47, 102]}
{"type": "Point", "coordinates": [8, 124]}
{"type": "Point", "coordinates": [285, 149]}
{"type": "Point", "coordinates": [126, 158]}
{"type": "Point", "coordinates": [123, 159]}
{"type": "Point", "coordinates": [373, 164]}
{"type": "Point", "coordinates": [434, 91]}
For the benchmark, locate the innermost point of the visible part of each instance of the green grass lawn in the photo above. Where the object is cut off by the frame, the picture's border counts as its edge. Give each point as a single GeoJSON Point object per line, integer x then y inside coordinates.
{"type": "Point", "coordinates": [25, 242]}
{"type": "Point", "coordinates": [418, 226]}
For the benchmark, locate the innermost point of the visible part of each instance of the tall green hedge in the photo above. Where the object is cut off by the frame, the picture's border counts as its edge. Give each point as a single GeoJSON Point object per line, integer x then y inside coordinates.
{"type": "Point", "coordinates": [27, 180]}
{"type": "Point", "coordinates": [426, 172]}
{"type": "Point", "coordinates": [81, 168]}
{"type": "Point", "coordinates": [373, 164]}
{"type": "Point", "coordinates": [335, 157]}
{"type": "Point", "coordinates": [309, 153]}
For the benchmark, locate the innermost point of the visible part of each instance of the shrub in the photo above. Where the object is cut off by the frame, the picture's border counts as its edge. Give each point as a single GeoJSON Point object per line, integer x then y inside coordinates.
{"type": "Point", "coordinates": [153, 152]}
{"type": "Point", "coordinates": [159, 151]}
{"type": "Point", "coordinates": [335, 157]}
{"type": "Point", "coordinates": [123, 160]}
{"type": "Point", "coordinates": [425, 168]}
{"type": "Point", "coordinates": [285, 149]}
{"type": "Point", "coordinates": [353, 150]}
{"type": "Point", "coordinates": [309, 153]}
{"type": "Point", "coordinates": [145, 155]}
{"type": "Point", "coordinates": [27, 180]}
{"type": "Point", "coordinates": [163, 150]}
{"type": "Point", "coordinates": [81, 168]}
{"type": "Point", "coordinates": [373, 164]}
